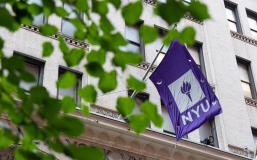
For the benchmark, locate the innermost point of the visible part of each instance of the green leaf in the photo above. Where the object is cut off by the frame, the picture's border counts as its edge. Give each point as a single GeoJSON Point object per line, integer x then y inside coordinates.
{"type": "Point", "coordinates": [7, 138]}
{"type": "Point", "coordinates": [85, 152]}
{"type": "Point", "coordinates": [97, 56]}
{"type": "Point", "coordinates": [48, 30]}
{"type": "Point", "coordinates": [139, 122]}
{"type": "Point", "coordinates": [94, 69]}
{"type": "Point", "coordinates": [135, 84]}
{"type": "Point", "coordinates": [35, 9]}
{"type": "Point", "coordinates": [150, 110]}
{"type": "Point", "coordinates": [171, 35]}
{"type": "Point", "coordinates": [82, 5]}
{"type": "Point", "coordinates": [118, 40]}
{"type": "Point", "coordinates": [125, 105]}
{"type": "Point", "coordinates": [67, 80]}
{"type": "Point", "coordinates": [7, 20]}
{"type": "Point", "coordinates": [74, 57]}
{"type": "Point", "coordinates": [108, 82]}
{"type": "Point", "coordinates": [63, 46]}
{"type": "Point", "coordinates": [39, 94]}
{"type": "Point", "coordinates": [88, 93]}
{"type": "Point", "coordinates": [48, 49]}
{"type": "Point", "coordinates": [1, 43]}
{"type": "Point", "coordinates": [199, 10]}
{"type": "Point", "coordinates": [68, 104]}
{"type": "Point", "coordinates": [116, 3]}
{"type": "Point", "coordinates": [106, 25]}
{"type": "Point", "coordinates": [85, 110]}
{"type": "Point", "coordinates": [172, 11]}
{"type": "Point", "coordinates": [123, 58]}
{"type": "Point", "coordinates": [149, 34]}
{"type": "Point", "coordinates": [100, 7]}
{"type": "Point", "coordinates": [132, 12]}
{"type": "Point", "coordinates": [187, 36]}
{"type": "Point", "coordinates": [68, 125]}
{"type": "Point", "coordinates": [60, 11]}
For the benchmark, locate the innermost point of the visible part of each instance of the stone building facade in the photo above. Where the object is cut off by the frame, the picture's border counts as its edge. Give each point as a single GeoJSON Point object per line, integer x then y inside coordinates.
{"type": "Point", "coordinates": [226, 51]}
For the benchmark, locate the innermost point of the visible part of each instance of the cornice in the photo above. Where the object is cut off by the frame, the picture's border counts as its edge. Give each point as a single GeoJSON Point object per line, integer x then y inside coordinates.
{"type": "Point", "coordinates": [243, 38]}
{"type": "Point", "coordinates": [69, 40]}
{"type": "Point", "coordinates": [188, 17]}
{"type": "Point", "coordinates": [251, 102]}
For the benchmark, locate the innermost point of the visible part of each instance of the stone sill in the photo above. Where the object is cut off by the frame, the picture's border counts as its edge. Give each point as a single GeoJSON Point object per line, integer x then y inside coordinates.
{"type": "Point", "coordinates": [243, 38]}
{"type": "Point", "coordinates": [251, 102]}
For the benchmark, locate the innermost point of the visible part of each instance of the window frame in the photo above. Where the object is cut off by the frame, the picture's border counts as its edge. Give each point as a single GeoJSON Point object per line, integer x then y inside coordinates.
{"type": "Point", "coordinates": [253, 15]}
{"type": "Point", "coordinates": [79, 75]}
{"type": "Point", "coordinates": [33, 61]}
{"type": "Point", "coordinates": [141, 44]}
{"type": "Point", "coordinates": [247, 63]}
{"type": "Point", "coordinates": [233, 6]}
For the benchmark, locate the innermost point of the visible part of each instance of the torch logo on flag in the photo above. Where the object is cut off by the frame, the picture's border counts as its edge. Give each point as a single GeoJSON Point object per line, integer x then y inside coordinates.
{"type": "Point", "coordinates": [184, 90]}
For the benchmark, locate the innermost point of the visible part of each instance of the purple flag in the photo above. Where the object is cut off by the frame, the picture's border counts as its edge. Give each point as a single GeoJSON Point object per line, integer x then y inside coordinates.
{"type": "Point", "coordinates": [184, 90]}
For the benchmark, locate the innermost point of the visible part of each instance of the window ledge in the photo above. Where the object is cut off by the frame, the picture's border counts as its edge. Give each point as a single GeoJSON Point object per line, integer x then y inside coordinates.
{"type": "Point", "coordinates": [251, 102]}
{"type": "Point", "coordinates": [69, 40]}
{"type": "Point", "coordinates": [243, 38]}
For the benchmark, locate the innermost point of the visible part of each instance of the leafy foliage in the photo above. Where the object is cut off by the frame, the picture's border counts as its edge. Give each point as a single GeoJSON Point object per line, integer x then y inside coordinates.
{"type": "Point", "coordinates": [40, 117]}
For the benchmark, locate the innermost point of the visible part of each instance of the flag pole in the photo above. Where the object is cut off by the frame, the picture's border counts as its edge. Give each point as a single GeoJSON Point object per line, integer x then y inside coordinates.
{"type": "Point", "coordinates": [151, 65]}
{"type": "Point", "coordinates": [148, 70]}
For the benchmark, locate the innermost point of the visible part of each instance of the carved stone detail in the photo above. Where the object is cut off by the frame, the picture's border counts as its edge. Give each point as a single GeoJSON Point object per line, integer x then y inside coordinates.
{"type": "Point", "coordinates": [244, 38]}
{"type": "Point", "coordinates": [151, 2]}
{"type": "Point", "coordinates": [105, 112]}
{"type": "Point", "coordinates": [69, 40]}
{"type": "Point", "coordinates": [251, 102]}
{"type": "Point", "coordinates": [241, 151]}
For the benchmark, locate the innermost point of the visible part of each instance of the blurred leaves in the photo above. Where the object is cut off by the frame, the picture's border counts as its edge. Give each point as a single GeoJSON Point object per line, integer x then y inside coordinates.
{"type": "Point", "coordinates": [125, 106]}
{"type": "Point", "coordinates": [40, 116]}
{"type": "Point", "coordinates": [135, 84]}
{"type": "Point", "coordinates": [132, 12]}
{"type": "Point", "coordinates": [88, 93]}
{"type": "Point", "coordinates": [67, 80]}
{"type": "Point", "coordinates": [48, 49]}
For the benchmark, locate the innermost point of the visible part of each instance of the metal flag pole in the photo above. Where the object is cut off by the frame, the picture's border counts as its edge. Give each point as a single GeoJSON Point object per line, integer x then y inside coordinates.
{"type": "Point", "coordinates": [151, 65]}
{"type": "Point", "coordinates": [148, 70]}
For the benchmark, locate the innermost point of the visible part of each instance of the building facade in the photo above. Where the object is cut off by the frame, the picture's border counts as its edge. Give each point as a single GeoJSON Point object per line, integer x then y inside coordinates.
{"type": "Point", "coordinates": [226, 52]}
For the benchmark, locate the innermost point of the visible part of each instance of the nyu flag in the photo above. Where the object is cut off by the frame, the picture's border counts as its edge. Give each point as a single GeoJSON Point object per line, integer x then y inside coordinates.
{"type": "Point", "coordinates": [184, 90]}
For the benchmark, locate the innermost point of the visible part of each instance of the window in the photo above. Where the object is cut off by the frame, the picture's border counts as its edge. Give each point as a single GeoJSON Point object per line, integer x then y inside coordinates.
{"type": "Point", "coordinates": [246, 78]}
{"type": "Point", "coordinates": [158, 44]}
{"type": "Point", "coordinates": [39, 19]}
{"type": "Point", "coordinates": [34, 67]}
{"type": "Point", "coordinates": [73, 92]}
{"type": "Point", "coordinates": [134, 41]}
{"type": "Point", "coordinates": [232, 17]}
{"type": "Point", "coordinates": [67, 27]}
{"type": "Point", "coordinates": [140, 98]}
{"type": "Point", "coordinates": [252, 20]}
{"type": "Point", "coordinates": [167, 124]}
{"type": "Point", "coordinates": [208, 134]}
{"type": "Point", "coordinates": [254, 131]}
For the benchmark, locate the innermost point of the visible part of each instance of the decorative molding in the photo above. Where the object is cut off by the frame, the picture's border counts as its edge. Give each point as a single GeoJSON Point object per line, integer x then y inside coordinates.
{"type": "Point", "coordinates": [251, 102]}
{"type": "Point", "coordinates": [145, 66]}
{"type": "Point", "coordinates": [191, 18]}
{"type": "Point", "coordinates": [241, 151]}
{"type": "Point", "coordinates": [244, 38]}
{"type": "Point", "coordinates": [151, 2]}
{"type": "Point", "coordinates": [105, 112]}
{"type": "Point", "coordinates": [69, 40]}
